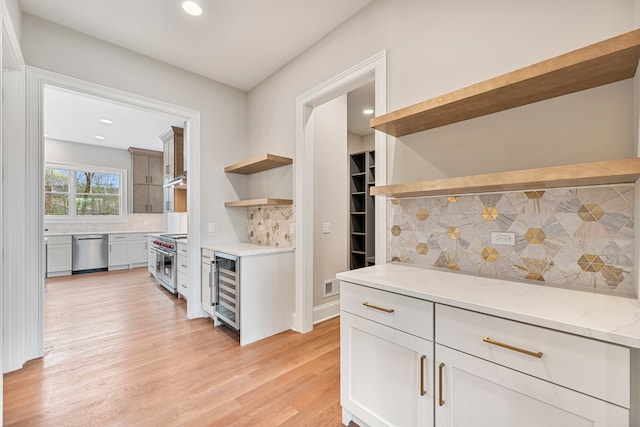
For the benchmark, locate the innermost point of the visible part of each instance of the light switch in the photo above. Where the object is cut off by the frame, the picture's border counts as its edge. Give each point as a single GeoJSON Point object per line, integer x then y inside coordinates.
{"type": "Point", "coordinates": [326, 227]}
{"type": "Point", "coordinates": [212, 227]}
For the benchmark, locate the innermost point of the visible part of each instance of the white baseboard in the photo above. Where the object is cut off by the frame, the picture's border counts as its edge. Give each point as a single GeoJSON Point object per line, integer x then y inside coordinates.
{"type": "Point", "coordinates": [326, 311]}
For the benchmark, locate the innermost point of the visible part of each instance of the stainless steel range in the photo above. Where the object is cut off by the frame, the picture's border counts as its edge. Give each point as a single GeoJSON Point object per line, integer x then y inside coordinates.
{"type": "Point", "coordinates": [165, 249]}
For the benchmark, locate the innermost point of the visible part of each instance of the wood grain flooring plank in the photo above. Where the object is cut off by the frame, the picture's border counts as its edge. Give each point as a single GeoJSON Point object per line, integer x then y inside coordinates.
{"type": "Point", "coordinates": [120, 351]}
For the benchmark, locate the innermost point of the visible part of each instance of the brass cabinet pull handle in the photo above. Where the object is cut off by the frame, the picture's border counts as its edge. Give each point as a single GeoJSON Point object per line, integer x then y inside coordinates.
{"type": "Point", "coordinates": [422, 390]}
{"type": "Point", "coordinates": [441, 400]}
{"type": "Point", "coordinates": [510, 347]}
{"type": "Point", "coordinates": [386, 310]}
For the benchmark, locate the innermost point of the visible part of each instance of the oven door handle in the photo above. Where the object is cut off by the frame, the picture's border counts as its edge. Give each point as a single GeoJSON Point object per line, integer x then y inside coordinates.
{"type": "Point", "coordinates": [163, 252]}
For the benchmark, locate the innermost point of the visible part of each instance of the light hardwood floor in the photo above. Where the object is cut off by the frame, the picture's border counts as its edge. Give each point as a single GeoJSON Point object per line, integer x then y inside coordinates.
{"type": "Point", "coordinates": [120, 351]}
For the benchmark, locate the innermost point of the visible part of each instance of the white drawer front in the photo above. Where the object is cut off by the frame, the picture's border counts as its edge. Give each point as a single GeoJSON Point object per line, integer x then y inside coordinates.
{"type": "Point", "coordinates": [207, 255]}
{"type": "Point", "coordinates": [59, 240]}
{"type": "Point", "coordinates": [592, 367]}
{"type": "Point", "coordinates": [182, 249]}
{"type": "Point", "coordinates": [183, 267]}
{"type": "Point", "coordinates": [411, 315]}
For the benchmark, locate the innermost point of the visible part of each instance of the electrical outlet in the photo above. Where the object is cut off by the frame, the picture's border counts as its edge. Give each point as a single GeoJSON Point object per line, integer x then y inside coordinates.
{"type": "Point", "coordinates": [292, 230]}
{"type": "Point", "coordinates": [326, 228]}
{"type": "Point", "coordinates": [503, 238]}
{"type": "Point", "coordinates": [212, 227]}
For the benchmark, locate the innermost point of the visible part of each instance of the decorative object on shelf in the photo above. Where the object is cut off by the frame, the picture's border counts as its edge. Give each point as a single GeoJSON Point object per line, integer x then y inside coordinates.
{"type": "Point", "coordinates": [599, 64]}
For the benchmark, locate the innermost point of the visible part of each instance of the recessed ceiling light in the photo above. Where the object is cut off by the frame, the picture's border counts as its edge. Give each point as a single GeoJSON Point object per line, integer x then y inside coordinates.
{"type": "Point", "coordinates": [99, 137]}
{"type": "Point", "coordinates": [106, 121]}
{"type": "Point", "coordinates": [367, 111]}
{"type": "Point", "coordinates": [192, 8]}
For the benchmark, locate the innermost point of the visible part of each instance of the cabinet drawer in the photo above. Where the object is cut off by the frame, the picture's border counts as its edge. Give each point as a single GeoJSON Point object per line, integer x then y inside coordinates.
{"type": "Point", "coordinates": [183, 267]}
{"type": "Point", "coordinates": [207, 255]}
{"type": "Point", "coordinates": [411, 315]}
{"type": "Point", "coordinates": [182, 284]}
{"type": "Point", "coordinates": [182, 249]}
{"type": "Point", "coordinates": [59, 240]}
{"type": "Point", "coordinates": [592, 367]}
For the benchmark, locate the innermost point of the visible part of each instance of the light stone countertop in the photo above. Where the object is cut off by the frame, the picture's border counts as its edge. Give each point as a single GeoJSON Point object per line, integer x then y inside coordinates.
{"type": "Point", "coordinates": [605, 317]}
{"type": "Point", "coordinates": [245, 249]}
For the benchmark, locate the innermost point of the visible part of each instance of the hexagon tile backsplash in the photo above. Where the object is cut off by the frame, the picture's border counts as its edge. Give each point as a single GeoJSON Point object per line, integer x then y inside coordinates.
{"type": "Point", "coordinates": [580, 237]}
{"type": "Point", "coordinates": [270, 226]}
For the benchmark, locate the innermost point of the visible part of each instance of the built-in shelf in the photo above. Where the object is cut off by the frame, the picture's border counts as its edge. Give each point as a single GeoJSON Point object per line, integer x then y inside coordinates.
{"type": "Point", "coordinates": [596, 173]}
{"type": "Point", "coordinates": [602, 63]}
{"type": "Point", "coordinates": [259, 164]}
{"type": "Point", "coordinates": [258, 202]}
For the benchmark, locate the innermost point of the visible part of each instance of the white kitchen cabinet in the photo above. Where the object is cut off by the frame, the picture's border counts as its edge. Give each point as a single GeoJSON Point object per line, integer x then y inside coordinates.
{"type": "Point", "coordinates": [118, 252]}
{"type": "Point", "coordinates": [474, 392]}
{"type": "Point", "coordinates": [206, 281]}
{"type": "Point", "coordinates": [183, 269]}
{"type": "Point", "coordinates": [151, 256]}
{"type": "Point", "coordinates": [59, 256]}
{"type": "Point", "coordinates": [128, 250]}
{"type": "Point", "coordinates": [386, 358]}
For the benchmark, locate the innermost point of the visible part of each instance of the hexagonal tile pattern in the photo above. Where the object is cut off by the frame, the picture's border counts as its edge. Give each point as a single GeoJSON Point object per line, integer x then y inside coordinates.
{"type": "Point", "coordinates": [534, 194]}
{"type": "Point", "coordinates": [535, 235]}
{"type": "Point", "coordinates": [422, 248]}
{"type": "Point", "coordinates": [490, 254]}
{"type": "Point", "coordinates": [534, 276]}
{"type": "Point", "coordinates": [453, 233]}
{"type": "Point", "coordinates": [591, 212]}
{"type": "Point", "coordinates": [578, 237]}
{"type": "Point", "coordinates": [591, 263]}
{"type": "Point", "coordinates": [422, 214]}
{"type": "Point", "coordinates": [490, 214]}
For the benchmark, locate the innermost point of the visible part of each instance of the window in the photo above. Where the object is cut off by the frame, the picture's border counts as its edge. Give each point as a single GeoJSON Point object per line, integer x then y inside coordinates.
{"type": "Point", "coordinates": [82, 192]}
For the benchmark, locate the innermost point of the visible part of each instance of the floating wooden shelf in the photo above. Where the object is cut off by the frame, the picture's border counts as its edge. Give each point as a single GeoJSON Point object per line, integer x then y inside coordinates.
{"type": "Point", "coordinates": [602, 63]}
{"type": "Point", "coordinates": [259, 164]}
{"type": "Point", "coordinates": [258, 202]}
{"type": "Point", "coordinates": [596, 173]}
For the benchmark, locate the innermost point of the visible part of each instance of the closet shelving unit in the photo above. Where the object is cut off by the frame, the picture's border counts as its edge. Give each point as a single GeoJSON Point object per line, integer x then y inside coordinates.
{"type": "Point", "coordinates": [362, 210]}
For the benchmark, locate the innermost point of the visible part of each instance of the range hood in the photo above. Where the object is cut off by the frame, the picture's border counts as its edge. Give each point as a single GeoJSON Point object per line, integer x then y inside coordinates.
{"type": "Point", "coordinates": [178, 182]}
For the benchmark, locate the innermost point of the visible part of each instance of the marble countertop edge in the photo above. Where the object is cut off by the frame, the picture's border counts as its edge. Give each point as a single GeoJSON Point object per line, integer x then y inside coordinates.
{"type": "Point", "coordinates": [610, 318]}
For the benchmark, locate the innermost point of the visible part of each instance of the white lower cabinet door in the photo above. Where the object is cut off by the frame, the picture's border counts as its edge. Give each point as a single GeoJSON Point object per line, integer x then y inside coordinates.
{"type": "Point", "coordinates": [473, 392]}
{"type": "Point", "coordinates": [386, 374]}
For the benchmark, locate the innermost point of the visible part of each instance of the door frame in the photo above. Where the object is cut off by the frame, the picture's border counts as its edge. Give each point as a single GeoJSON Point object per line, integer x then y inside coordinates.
{"type": "Point", "coordinates": [372, 69]}
{"type": "Point", "coordinates": [37, 79]}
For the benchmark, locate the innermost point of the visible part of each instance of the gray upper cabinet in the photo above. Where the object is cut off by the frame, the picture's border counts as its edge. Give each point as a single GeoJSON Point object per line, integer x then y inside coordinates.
{"type": "Point", "coordinates": [146, 166]}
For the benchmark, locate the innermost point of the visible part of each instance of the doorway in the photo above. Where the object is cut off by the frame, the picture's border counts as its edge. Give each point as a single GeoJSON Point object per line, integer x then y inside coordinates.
{"type": "Point", "coordinates": [372, 70]}
{"type": "Point", "coordinates": [36, 81]}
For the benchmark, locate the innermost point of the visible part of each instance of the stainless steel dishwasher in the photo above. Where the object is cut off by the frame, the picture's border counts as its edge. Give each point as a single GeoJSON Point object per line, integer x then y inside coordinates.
{"type": "Point", "coordinates": [89, 253]}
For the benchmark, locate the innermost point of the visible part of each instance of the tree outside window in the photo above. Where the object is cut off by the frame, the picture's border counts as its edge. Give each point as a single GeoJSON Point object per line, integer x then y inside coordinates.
{"type": "Point", "coordinates": [70, 192]}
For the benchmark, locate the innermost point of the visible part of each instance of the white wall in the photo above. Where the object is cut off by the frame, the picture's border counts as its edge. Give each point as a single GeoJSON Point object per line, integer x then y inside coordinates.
{"type": "Point", "coordinates": [330, 194]}
{"type": "Point", "coordinates": [15, 15]}
{"type": "Point", "coordinates": [223, 109]}
{"type": "Point", "coordinates": [434, 47]}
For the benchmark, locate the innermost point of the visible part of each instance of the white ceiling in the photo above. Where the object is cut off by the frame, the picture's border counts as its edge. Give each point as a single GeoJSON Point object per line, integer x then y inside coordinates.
{"type": "Point", "coordinates": [71, 116]}
{"type": "Point", "coordinates": [357, 101]}
{"type": "Point", "coordinates": [237, 42]}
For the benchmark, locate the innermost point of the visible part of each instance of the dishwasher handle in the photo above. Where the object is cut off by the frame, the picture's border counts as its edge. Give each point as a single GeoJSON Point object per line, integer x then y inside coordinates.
{"type": "Point", "coordinates": [89, 238]}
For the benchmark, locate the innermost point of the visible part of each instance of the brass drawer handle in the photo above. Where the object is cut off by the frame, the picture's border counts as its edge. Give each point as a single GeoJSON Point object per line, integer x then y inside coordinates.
{"type": "Point", "coordinates": [422, 390]}
{"type": "Point", "coordinates": [386, 310]}
{"type": "Point", "coordinates": [510, 347]}
{"type": "Point", "coordinates": [441, 400]}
